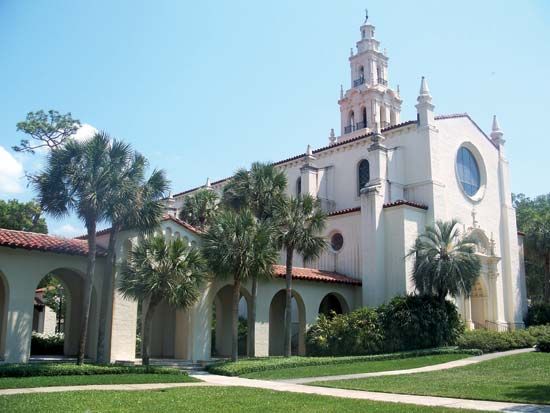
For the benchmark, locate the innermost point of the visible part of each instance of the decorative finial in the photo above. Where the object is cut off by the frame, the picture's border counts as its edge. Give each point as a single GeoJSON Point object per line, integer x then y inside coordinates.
{"type": "Point", "coordinates": [351, 51]}
{"type": "Point", "coordinates": [366, 15]}
{"type": "Point", "coordinates": [496, 132]}
{"type": "Point", "coordinates": [341, 91]}
{"type": "Point", "coordinates": [208, 184]}
{"type": "Point", "coordinates": [308, 151]}
{"type": "Point", "coordinates": [398, 91]}
{"type": "Point", "coordinates": [424, 91]}
{"type": "Point", "coordinates": [332, 137]}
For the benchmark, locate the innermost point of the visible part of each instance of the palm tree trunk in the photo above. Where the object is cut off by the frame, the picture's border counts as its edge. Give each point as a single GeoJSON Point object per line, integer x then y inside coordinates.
{"type": "Point", "coordinates": [288, 304]}
{"type": "Point", "coordinates": [235, 319]}
{"type": "Point", "coordinates": [107, 291]}
{"type": "Point", "coordinates": [252, 319]}
{"type": "Point", "coordinates": [87, 294]}
{"type": "Point", "coordinates": [146, 337]}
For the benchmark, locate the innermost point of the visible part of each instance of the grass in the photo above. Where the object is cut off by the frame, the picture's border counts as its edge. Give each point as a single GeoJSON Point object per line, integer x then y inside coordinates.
{"type": "Point", "coordinates": [523, 378]}
{"type": "Point", "coordinates": [64, 374]}
{"type": "Point", "coordinates": [200, 399]}
{"type": "Point", "coordinates": [356, 367]}
{"type": "Point", "coordinates": [47, 381]}
{"type": "Point", "coordinates": [254, 365]}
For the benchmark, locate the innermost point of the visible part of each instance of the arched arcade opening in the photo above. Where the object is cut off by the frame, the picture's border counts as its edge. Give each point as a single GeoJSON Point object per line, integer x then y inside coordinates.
{"type": "Point", "coordinates": [333, 303]}
{"type": "Point", "coordinates": [277, 323]}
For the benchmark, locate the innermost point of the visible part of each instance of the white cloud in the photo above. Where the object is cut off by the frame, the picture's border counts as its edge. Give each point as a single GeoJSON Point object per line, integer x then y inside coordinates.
{"type": "Point", "coordinates": [11, 173]}
{"type": "Point", "coordinates": [85, 132]}
{"type": "Point", "coordinates": [68, 230]}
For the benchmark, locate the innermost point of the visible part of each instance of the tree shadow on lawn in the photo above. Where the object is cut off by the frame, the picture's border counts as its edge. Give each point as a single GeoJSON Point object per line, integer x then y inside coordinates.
{"type": "Point", "coordinates": [536, 393]}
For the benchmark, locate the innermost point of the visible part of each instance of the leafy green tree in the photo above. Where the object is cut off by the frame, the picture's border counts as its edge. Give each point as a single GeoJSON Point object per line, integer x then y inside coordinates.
{"type": "Point", "coordinates": [533, 218]}
{"type": "Point", "coordinates": [200, 208]}
{"type": "Point", "coordinates": [22, 216]}
{"type": "Point", "coordinates": [300, 221]}
{"type": "Point", "coordinates": [54, 296]}
{"type": "Point", "coordinates": [47, 130]}
{"type": "Point", "coordinates": [445, 262]}
{"type": "Point", "coordinates": [239, 246]}
{"type": "Point", "coordinates": [136, 203]}
{"type": "Point", "coordinates": [158, 270]}
{"type": "Point", "coordinates": [78, 178]}
{"type": "Point", "coordinates": [261, 189]}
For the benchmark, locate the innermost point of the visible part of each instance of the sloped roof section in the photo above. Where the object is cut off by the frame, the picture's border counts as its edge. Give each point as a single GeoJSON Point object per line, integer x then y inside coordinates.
{"type": "Point", "coordinates": [311, 274]}
{"type": "Point", "coordinates": [45, 243]}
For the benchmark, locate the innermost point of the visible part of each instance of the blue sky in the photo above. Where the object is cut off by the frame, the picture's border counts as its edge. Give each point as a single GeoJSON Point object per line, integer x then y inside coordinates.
{"type": "Point", "coordinates": [202, 88]}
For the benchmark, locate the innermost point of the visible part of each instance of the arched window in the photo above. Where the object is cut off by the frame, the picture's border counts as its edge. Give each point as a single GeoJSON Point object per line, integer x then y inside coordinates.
{"type": "Point", "coordinates": [361, 72]}
{"type": "Point", "coordinates": [363, 174]}
{"type": "Point", "coordinates": [299, 186]}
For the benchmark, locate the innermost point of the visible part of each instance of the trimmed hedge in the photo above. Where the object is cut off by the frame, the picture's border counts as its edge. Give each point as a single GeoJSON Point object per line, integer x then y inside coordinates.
{"type": "Point", "coordinates": [538, 314]}
{"type": "Point", "coordinates": [47, 344]}
{"type": "Point", "coordinates": [405, 323]}
{"type": "Point", "coordinates": [543, 344]}
{"type": "Point", "coordinates": [65, 369]}
{"type": "Point", "coordinates": [246, 366]}
{"type": "Point", "coordinates": [490, 341]}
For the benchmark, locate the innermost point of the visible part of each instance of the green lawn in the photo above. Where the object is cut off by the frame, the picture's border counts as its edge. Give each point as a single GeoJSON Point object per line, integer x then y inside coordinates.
{"type": "Point", "coordinates": [523, 378]}
{"type": "Point", "coordinates": [355, 367]}
{"type": "Point", "coordinates": [199, 399]}
{"type": "Point", "coordinates": [43, 381]}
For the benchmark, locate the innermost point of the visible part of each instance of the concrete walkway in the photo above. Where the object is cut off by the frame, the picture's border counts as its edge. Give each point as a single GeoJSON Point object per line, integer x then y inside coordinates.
{"type": "Point", "coordinates": [433, 367]}
{"type": "Point", "coordinates": [374, 396]}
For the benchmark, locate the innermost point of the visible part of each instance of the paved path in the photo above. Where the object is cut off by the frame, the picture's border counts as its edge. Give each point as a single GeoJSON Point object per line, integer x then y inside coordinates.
{"type": "Point", "coordinates": [214, 380]}
{"type": "Point", "coordinates": [434, 367]}
{"type": "Point", "coordinates": [375, 396]}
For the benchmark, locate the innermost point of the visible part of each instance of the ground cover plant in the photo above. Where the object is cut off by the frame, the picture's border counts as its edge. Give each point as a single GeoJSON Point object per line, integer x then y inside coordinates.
{"type": "Point", "coordinates": [356, 367]}
{"type": "Point", "coordinates": [64, 374]}
{"type": "Point", "coordinates": [201, 399]}
{"type": "Point", "coordinates": [522, 378]}
{"type": "Point", "coordinates": [248, 366]}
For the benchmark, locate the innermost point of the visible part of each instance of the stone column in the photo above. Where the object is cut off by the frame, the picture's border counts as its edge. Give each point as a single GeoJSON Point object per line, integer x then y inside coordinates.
{"type": "Point", "coordinates": [372, 227]}
{"type": "Point", "coordinates": [19, 321]}
{"type": "Point", "coordinates": [468, 313]}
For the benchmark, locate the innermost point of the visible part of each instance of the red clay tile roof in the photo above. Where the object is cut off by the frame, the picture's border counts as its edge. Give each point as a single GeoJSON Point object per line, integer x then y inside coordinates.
{"type": "Point", "coordinates": [311, 274]}
{"type": "Point", "coordinates": [344, 211]}
{"type": "Point", "coordinates": [164, 218]}
{"type": "Point", "coordinates": [404, 202]}
{"type": "Point", "coordinates": [357, 138]}
{"type": "Point", "coordinates": [44, 242]}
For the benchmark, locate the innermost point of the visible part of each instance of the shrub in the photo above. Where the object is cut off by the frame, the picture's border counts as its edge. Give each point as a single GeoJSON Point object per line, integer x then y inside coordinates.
{"type": "Point", "coordinates": [538, 314]}
{"type": "Point", "coordinates": [543, 343]}
{"type": "Point", "coordinates": [354, 333]}
{"type": "Point", "coordinates": [47, 344]}
{"type": "Point", "coordinates": [406, 323]}
{"type": "Point", "coordinates": [66, 369]}
{"type": "Point", "coordinates": [415, 322]}
{"type": "Point", "coordinates": [490, 341]}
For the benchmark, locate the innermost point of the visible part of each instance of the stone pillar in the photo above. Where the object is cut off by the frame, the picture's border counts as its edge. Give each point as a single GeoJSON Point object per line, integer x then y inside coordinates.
{"type": "Point", "coordinates": [263, 303]}
{"type": "Point", "coordinates": [468, 313]}
{"type": "Point", "coordinates": [309, 174]}
{"type": "Point", "coordinates": [373, 230]}
{"type": "Point", "coordinates": [19, 321]}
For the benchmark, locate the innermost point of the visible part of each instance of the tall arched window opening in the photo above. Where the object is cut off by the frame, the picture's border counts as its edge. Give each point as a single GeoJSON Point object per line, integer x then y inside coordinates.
{"type": "Point", "coordinates": [363, 175]}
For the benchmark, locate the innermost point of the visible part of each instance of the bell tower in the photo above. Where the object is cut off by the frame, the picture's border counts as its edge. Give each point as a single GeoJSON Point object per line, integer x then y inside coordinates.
{"type": "Point", "coordinates": [369, 104]}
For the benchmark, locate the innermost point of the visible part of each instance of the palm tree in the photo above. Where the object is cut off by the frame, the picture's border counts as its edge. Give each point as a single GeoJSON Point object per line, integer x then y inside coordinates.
{"type": "Point", "coordinates": [261, 189]}
{"type": "Point", "coordinates": [237, 245]}
{"type": "Point", "coordinates": [445, 262]}
{"type": "Point", "coordinates": [136, 203]}
{"type": "Point", "coordinates": [77, 178]}
{"type": "Point", "coordinates": [199, 208]}
{"type": "Point", "coordinates": [157, 270]}
{"type": "Point", "coordinates": [300, 221]}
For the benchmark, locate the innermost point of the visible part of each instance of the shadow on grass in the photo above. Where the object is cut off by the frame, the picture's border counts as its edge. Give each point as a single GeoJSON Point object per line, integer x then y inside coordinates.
{"type": "Point", "coordinates": [536, 393]}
